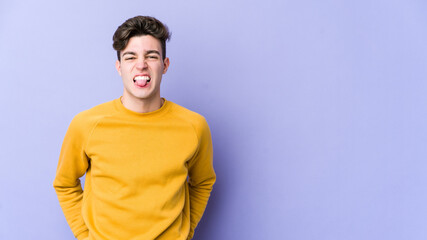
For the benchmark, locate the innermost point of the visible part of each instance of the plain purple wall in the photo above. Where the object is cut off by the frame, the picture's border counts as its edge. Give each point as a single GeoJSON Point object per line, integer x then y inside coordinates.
{"type": "Point", "coordinates": [317, 109]}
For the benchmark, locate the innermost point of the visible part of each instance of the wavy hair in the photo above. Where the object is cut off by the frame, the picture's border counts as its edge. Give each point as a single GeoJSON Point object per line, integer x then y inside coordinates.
{"type": "Point", "coordinates": [140, 26]}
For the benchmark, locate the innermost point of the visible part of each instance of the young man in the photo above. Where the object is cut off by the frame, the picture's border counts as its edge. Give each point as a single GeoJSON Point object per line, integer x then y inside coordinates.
{"type": "Point", "coordinates": [147, 160]}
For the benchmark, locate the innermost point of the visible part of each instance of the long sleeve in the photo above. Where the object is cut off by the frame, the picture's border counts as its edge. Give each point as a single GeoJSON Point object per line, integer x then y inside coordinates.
{"type": "Point", "coordinates": [73, 164]}
{"type": "Point", "coordinates": [153, 168]}
{"type": "Point", "coordinates": [201, 176]}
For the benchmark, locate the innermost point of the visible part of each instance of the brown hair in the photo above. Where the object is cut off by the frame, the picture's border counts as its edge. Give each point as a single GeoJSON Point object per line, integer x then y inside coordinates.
{"type": "Point", "coordinates": [140, 26]}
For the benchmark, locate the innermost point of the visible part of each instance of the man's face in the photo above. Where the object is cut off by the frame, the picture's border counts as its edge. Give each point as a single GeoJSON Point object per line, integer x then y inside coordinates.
{"type": "Point", "coordinates": [141, 68]}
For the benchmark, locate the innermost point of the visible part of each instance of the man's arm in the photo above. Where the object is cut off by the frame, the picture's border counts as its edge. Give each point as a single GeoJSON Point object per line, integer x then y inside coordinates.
{"type": "Point", "coordinates": [201, 176]}
{"type": "Point", "coordinates": [72, 165]}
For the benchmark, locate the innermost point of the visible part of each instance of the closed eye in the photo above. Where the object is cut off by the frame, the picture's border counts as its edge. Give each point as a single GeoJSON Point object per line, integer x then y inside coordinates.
{"type": "Point", "coordinates": [152, 57]}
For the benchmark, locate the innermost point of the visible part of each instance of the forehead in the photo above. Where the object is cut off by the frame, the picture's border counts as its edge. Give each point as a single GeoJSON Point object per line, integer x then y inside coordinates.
{"type": "Point", "coordinates": [143, 43]}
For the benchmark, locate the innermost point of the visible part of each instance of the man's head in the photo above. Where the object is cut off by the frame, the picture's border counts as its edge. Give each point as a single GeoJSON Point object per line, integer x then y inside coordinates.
{"type": "Point", "coordinates": [140, 43]}
{"type": "Point", "coordinates": [140, 26]}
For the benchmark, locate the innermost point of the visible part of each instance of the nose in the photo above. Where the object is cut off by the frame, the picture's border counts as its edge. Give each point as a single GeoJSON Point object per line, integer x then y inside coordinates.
{"type": "Point", "coordinates": [141, 64]}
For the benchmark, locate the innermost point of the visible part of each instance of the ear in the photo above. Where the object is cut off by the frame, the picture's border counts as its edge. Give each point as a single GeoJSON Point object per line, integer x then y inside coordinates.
{"type": "Point", "coordinates": [119, 70]}
{"type": "Point", "coordinates": [165, 65]}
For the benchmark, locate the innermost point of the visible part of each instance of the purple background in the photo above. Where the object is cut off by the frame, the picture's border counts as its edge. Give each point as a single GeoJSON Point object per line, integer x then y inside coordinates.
{"type": "Point", "coordinates": [317, 109]}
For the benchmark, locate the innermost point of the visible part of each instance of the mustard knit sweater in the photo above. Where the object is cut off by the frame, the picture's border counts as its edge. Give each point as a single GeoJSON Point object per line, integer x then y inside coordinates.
{"type": "Point", "coordinates": [148, 175]}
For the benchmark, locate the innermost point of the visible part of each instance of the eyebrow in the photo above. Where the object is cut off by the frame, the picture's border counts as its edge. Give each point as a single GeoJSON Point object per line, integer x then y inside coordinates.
{"type": "Point", "coordinates": [153, 51]}
{"type": "Point", "coordinates": [130, 53]}
{"type": "Point", "coordinates": [148, 52]}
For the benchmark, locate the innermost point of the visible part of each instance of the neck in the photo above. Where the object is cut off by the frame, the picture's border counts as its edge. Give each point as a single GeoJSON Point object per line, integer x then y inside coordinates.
{"type": "Point", "coordinates": [142, 105]}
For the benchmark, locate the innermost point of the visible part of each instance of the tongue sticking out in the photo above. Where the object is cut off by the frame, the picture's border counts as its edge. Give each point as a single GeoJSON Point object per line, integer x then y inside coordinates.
{"type": "Point", "coordinates": [141, 83]}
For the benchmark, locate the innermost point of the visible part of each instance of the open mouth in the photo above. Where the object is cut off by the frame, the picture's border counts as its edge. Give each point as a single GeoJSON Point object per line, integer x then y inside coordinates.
{"type": "Point", "coordinates": [141, 81]}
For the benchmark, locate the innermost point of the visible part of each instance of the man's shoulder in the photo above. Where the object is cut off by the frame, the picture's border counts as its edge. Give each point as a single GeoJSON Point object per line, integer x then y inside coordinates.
{"type": "Point", "coordinates": [88, 118]}
{"type": "Point", "coordinates": [195, 119]}
{"type": "Point", "coordinates": [185, 113]}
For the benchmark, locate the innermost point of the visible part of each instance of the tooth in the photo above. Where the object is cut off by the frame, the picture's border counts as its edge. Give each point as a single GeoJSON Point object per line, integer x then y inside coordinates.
{"type": "Point", "coordinates": [142, 78]}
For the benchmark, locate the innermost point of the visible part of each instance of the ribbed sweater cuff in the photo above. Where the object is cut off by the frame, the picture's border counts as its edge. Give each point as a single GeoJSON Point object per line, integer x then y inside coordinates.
{"type": "Point", "coordinates": [83, 235]}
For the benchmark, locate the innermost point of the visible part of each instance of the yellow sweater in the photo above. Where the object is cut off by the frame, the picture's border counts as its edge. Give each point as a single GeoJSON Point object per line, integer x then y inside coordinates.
{"type": "Point", "coordinates": [148, 175]}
